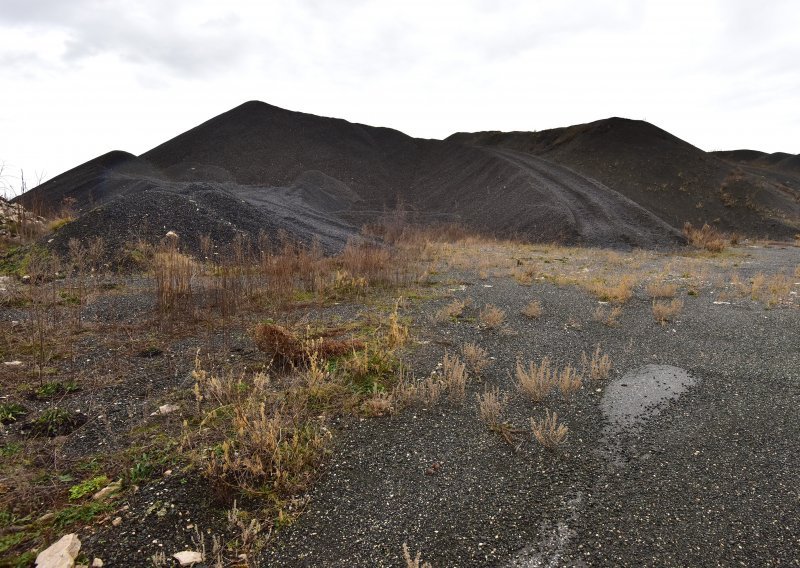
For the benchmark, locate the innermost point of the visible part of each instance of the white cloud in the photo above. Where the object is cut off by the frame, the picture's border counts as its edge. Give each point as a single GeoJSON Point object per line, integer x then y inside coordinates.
{"type": "Point", "coordinates": [84, 77]}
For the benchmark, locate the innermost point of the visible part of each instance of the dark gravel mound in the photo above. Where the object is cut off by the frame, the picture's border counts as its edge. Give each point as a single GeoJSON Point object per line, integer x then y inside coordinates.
{"type": "Point", "coordinates": [89, 184]}
{"type": "Point", "coordinates": [357, 171]}
{"type": "Point", "coordinates": [261, 168]}
{"type": "Point", "coordinates": [666, 175]}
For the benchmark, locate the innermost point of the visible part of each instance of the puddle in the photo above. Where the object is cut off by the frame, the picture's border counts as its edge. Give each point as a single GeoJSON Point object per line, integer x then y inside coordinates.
{"type": "Point", "coordinates": [641, 394]}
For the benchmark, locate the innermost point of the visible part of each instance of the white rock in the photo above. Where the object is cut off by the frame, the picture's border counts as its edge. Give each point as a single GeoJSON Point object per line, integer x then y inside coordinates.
{"type": "Point", "coordinates": [117, 521]}
{"type": "Point", "coordinates": [107, 491]}
{"type": "Point", "coordinates": [15, 363]}
{"type": "Point", "coordinates": [60, 554]}
{"type": "Point", "coordinates": [188, 557]}
{"type": "Point", "coordinates": [172, 234]}
{"type": "Point", "coordinates": [166, 409]}
{"type": "Point", "coordinates": [97, 563]}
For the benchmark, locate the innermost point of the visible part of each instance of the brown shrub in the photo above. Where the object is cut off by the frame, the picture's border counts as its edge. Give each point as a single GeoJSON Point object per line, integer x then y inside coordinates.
{"type": "Point", "coordinates": [476, 357]}
{"type": "Point", "coordinates": [569, 381]}
{"type": "Point", "coordinates": [535, 381]}
{"type": "Point", "coordinates": [598, 367]}
{"type": "Point", "coordinates": [533, 309]}
{"type": "Point", "coordinates": [289, 348]}
{"type": "Point", "coordinates": [661, 290]}
{"type": "Point", "coordinates": [619, 291]}
{"type": "Point", "coordinates": [666, 311]}
{"type": "Point", "coordinates": [608, 317]}
{"type": "Point", "coordinates": [548, 432]}
{"type": "Point", "coordinates": [492, 316]}
{"type": "Point", "coordinates": [706, 237]}
{"type": "Point", "coordinates": [491, 405]}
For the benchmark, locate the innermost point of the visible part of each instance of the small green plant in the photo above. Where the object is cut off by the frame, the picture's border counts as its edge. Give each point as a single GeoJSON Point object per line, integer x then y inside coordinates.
{"type": "Point", "coordinates": [10, 411]}
{"type": "Point", "coordinates": [53, 388]}
{"type": "Point", "coordinates": [83, 513]}
{"type": "Point", "coordinates": [142, 469]}
{"type": "Point", "coordinates": [86, 487]}
{"type": "Point", "coordinates": [56, 421]}
{"type": "Point", "coordinates": [10, 449]}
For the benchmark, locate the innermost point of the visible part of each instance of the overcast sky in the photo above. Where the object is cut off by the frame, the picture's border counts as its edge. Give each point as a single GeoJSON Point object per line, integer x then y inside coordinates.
{"type": "Point", "coordinates": [82, 77]}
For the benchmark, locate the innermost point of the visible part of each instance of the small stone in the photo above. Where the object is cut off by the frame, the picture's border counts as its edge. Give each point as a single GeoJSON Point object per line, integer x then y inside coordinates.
{"type": "Point", "coordinates": [15, 363]}
{"type": "Point", "coordinates": [60, 554]}
{"type": "Point", "coordinates": [107, 491]}
{"type": "Point", "coordinates": [168, 473]}
{"type": "Point", "coordinates": [117, 521]}
{"type": "Point", "coordinates": [188, 557]}
{"type": "Point", "coordinates": [46, 517]}
{"type": "Point", "coordinates": [166, 409]}
{"type": "Point", "coordinates": [97, 563]}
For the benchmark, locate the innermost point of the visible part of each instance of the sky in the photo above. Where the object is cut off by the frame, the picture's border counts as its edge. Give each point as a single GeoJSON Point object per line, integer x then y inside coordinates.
{"type": "Point", "coordinates": [79, 78]}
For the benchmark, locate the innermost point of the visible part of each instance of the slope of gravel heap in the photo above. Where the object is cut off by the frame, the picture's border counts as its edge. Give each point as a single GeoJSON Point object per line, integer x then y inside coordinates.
{"type": "Point", "coordinates": [271, 169]}
{"type": "Point", "coordinates": [754, 194]}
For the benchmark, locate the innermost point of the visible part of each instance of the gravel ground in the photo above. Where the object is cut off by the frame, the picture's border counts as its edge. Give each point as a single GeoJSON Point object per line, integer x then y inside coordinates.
{"type": "Point", "coordinates": [708, 478]}
{"type": "Point", "coordinates": [686, 456]}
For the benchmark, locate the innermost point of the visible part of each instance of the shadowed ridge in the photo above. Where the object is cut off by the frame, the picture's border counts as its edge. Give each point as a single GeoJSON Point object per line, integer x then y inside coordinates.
{"type": "Point", "coordinates": [666, 175]}
{"type": "Point", "coordinates": [87, 183]}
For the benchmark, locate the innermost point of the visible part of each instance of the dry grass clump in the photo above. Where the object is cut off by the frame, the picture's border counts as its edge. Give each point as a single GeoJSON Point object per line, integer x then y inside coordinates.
{"type": "Point", "coordinates": [706, 237]}
{"type": "Point", "coordinates": [450, 379]}
{"type": "Point", "coordinates": [524, 276]}
{"type": "Point", "coordinates": [533, 309]}
{"type": "Point", "coordinates": [379, 404]}
{"type": "Point", "coordinates": [598, 367]}
{"type": "Point", "coordinates": [454, 377]}
{"type": "Point", "coordinates": [174, 273]}
{"type": "Point", "coordinates": [428, 391]}
{"type": "Point", "coordinates": [289, 348]}
{"type": "Point", "coordinates": [797, 271]}
{"type": "Point", "coordinates": [416, 561]}
{"type": "Point", "coordinates": [608, 316]}
{"type": "Point", "coordinates": [664, 312]}
{"type": "Point", "coordinates": [619, 291]}
{"type": "Point", "coordinates": [397, 332]}
{"type": "Point", "coordinates": [476, 357]}
{"type": "Point", "coordinates": [252, 439]}
{"type": "Point", "coordinates": [661, 290]}
{"type": "Point", "coordinates": [569, 381]}
{"type": "Point", "coordinates": [451, 311]}
{"type": "Point", "coordinates": [491, 316]}
{"type": "Point", "coordinates": [548, 432]}
{"type": "Point", "coordinates": [491, 405]}
{"type": "Point", "coordinates": [536, 380]}
{"type": "Point", "coordinates": [370, 261]}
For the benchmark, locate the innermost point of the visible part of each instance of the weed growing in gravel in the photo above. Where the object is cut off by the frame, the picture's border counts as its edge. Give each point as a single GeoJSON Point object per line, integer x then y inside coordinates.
{"type": "Point", "coordinates": [706, 237]}
{"type": "Point", "coordinates": [598, 367]}
{"type": "Point", "coordinates": [492, 317]}
{"type": "Point", "coordinates": [536, 380]}
{"type": "Point", "coordinates": [533, 309]}
{"type": "Point", "coordinates": [661, 290]}
{"type": "Point", "coordinates": [476, 357]}
{"type": "Point", "coordinates": [11, 411]}
{"type": "Point", "coordinates": [609, 317]}
{"type": "Point", "coordinates": [173, 272]}
{"type": "Point", "coordinates": [664, 312]}
{"type": "Point", "coordinates": [415, 561]}
{"type": "Point", "coordinates": [454, 377]}
{"type": "Point", "coordinates": [89, 486]}
{"type": "Point", "coordinates": [450, 311]}
{"type": "Point", "coordinates": [548, 432]}
{"type": "Point", "coordinates": [569, 381]}
{"type": "Point", "coordinates": [491, 405]}
{"type": "Point", "coordinates": [619, 291]}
